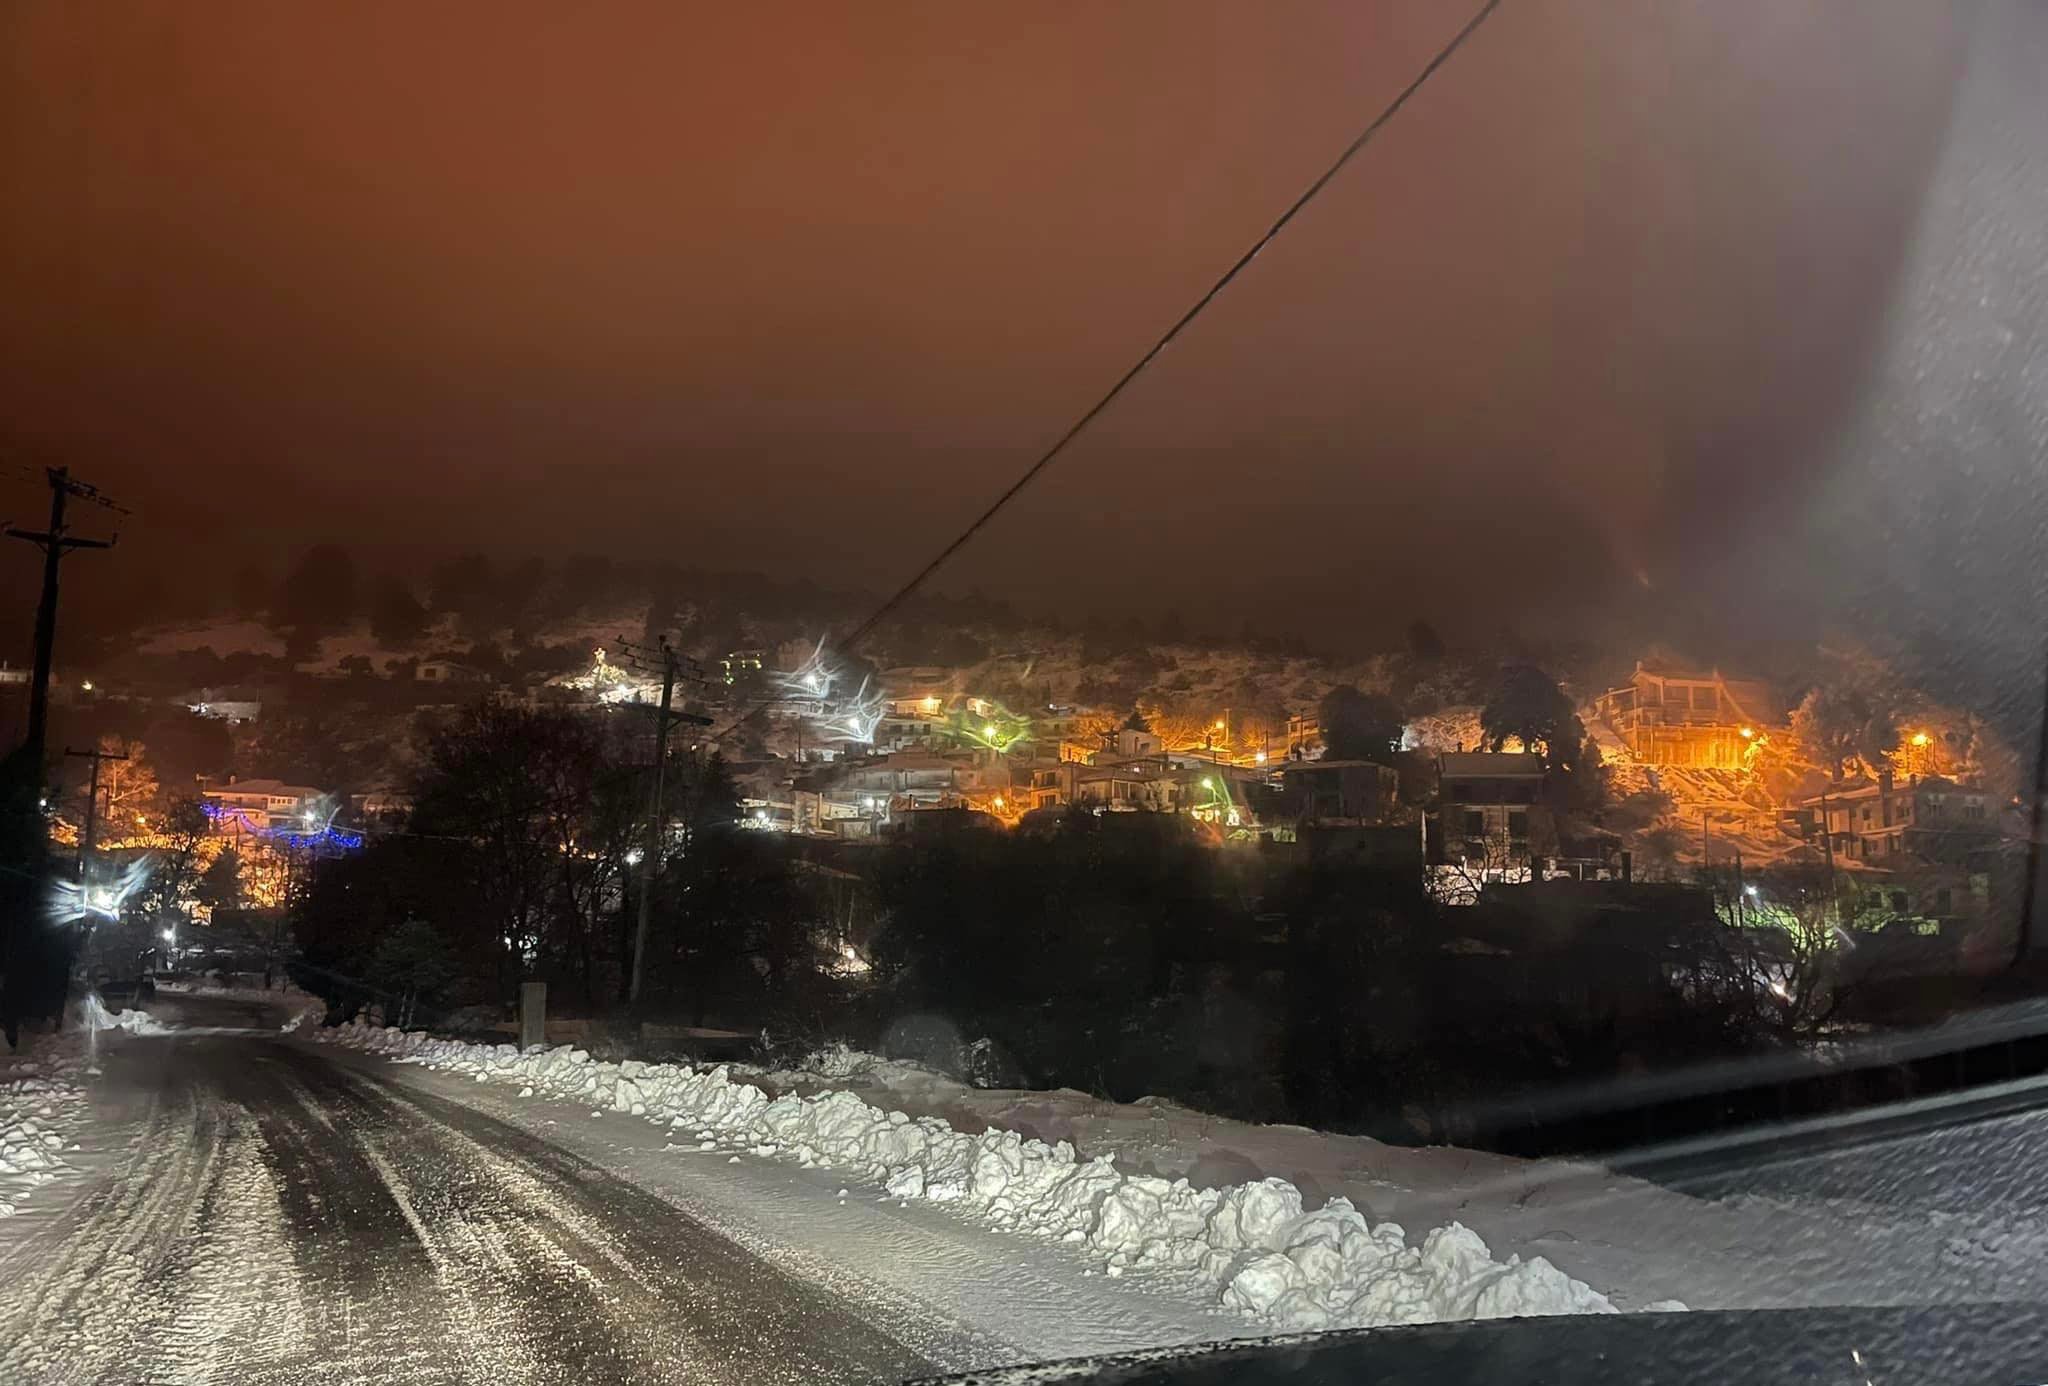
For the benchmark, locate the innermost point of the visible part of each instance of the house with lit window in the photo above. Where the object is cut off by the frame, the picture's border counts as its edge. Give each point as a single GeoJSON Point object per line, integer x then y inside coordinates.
{"type": "Point", "coordinates": [261, 805]}
{"type": "Point", "coordinates": [1932, 818]}
{"type": "Point", "coordinates": [1703, 720]}
{"type": "Point", "coordinates": [1134, 786]}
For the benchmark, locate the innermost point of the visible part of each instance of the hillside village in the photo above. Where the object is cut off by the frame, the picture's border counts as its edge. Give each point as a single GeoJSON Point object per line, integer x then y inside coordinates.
{"type": "Point", "coordinates": [292, 746]}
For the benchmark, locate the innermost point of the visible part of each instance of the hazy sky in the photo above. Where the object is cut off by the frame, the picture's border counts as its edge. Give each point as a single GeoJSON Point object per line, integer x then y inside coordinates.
{"type": "Point", "coordinates": [801, 287]}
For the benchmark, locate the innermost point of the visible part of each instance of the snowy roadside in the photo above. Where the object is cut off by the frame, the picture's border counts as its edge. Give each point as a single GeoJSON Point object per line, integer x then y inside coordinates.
{"type": "Point", "coordinates": [1642, 1245]}
{"type": "Point", "coordinates": [43, 1100]}
{"type": "Point", "coordinates": [1255, 1246]}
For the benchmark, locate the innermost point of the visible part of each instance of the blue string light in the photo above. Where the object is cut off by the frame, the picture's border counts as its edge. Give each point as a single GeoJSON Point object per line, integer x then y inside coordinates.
{"type": "Point", "coordinates": [329, 836]}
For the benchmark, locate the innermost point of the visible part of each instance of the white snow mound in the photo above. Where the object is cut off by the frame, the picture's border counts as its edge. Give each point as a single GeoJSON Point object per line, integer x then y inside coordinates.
{"type": "Point", "coordinates": [1251, 1247]}
{"type": "Point", "coordinates": [94, 1015]}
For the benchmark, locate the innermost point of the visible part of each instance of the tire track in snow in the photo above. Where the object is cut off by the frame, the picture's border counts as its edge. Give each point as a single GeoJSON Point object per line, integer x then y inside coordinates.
{"type": "Point", "coordinates": [281, 1219]}
{"type": "Point", "coordinates": [603, 1265]}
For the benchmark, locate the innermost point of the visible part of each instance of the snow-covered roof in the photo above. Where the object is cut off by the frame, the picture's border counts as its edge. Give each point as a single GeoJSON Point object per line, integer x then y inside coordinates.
{"type": "Point", "coordinates": [1483, 764]}
{"type": "Point", "coordinates": [276, 789]}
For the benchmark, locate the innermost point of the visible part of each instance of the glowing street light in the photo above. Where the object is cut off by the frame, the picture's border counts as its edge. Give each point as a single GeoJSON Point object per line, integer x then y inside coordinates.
{"type": "Point", "coordinates": [999, 801]}
{"type": "Point", "coordinates": [1921, 738]}
{"type": "Point", "coordinates": [1748, 733]}
{"type": "Point", "coordinates": [170, 936]}
{"type": "Point", "coordinates": [989, 730]}
{"type": "Point", "coordinates": [85, 685]}
{"type": "Point", "coordinates": [1259, 756]}
{"type": "Point", "coordinates": [1750, 891]}
{"type": "Point", "coordinates": [1208, 783]}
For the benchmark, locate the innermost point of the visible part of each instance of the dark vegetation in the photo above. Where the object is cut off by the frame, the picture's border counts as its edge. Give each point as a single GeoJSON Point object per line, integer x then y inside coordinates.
{"type": "Point", "coordinates": [1112, 954]}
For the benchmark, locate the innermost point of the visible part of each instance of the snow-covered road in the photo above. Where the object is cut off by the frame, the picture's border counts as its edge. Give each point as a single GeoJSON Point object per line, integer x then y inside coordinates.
{"type": "Point", "coordinates": [264, 1210]}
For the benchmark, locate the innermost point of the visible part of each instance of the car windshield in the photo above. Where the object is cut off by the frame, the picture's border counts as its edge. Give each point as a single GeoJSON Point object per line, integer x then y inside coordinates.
{"type": "Point", "coordinates": [849, 692]}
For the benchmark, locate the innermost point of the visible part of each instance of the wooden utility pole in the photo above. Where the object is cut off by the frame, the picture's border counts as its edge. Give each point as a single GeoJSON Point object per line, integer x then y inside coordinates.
{"type": "Point", "coordinates": [650, 854]}
{"type": "Point", "coordinates": [55, 542]}
{"type": "Point", "coordinates": [89, 833]}
{"type": "Point", "coordinates": [657, 824]}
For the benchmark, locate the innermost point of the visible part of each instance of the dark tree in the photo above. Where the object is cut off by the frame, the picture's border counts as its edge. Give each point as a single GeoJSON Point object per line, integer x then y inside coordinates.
{"type": "Point", "coordinates": [546, 821]}
{"type": "Point", "coordinates": [585, 582]}
{"type": "Point", "coordinates": [1423, 641]}
{"type": "Point", "coordinates": [186, 746]}
{"type": "Point", "coordinates": [397, 617]}
{"type": "Point", "coordinates": [174, 868]}
{"type": "Point", "coordinates": [319, 593]}
{"type": "Point", "coordinates": [1360, 726]}
{"type": "Point", "coordinates": [465, 586]}
{"type": "Point", "coordinates": [220, 885]}
{"type": "Point", "coordinates": [1528, 705]}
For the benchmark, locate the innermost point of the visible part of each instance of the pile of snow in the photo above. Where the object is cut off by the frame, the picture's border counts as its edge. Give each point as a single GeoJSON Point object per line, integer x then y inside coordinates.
{"type": "Point", "coordinates": [310, 1010]}
{"type": "Point", "coordinates": [94, 1015]}
{"type": "Point", "coordinates": [1251, 1246]}
{"type": "Point", "coordinates": [41, 1099]}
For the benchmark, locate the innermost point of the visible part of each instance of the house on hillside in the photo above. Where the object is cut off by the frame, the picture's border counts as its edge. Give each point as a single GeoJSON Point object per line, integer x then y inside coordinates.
{"type": "Point", "coordinates": [263, 805]}
{"type": "Point", "coordinates": [1134, 786]}
{"type": "Point", "coordinates": [1487, 813]}
{"type": "Point", "coordinates": [448, 671]}
{"type": "Point", "coordinates": [1688, 718]}
{"type": "Point", "coordinates": [1339, 791]}
{"type": "Point", "coordinates": [1934, 818]}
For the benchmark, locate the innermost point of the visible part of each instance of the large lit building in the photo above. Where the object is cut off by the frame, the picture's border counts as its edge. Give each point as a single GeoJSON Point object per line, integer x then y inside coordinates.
{"type": "Point", "coordinates": [1701, 720]}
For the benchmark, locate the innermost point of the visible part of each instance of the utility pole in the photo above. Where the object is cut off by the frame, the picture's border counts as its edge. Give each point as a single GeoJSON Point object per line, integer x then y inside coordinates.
{"type": "Point", "coordinates": [90, 833]}
{"type": "Point", "coordinates": [1827, 842]}
{"type": "Point", "coordinates": [55, 542]}
{"type": "Point", "coordinates": [657, 834]}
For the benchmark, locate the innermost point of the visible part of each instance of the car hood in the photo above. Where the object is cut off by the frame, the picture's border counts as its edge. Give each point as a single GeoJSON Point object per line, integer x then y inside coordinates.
{"type": "Point", "coordinates": [1855, 1346]}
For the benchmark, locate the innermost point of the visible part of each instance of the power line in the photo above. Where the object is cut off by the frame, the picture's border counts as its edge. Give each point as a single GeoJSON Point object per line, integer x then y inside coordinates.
{"type": "Point", "coordinates": [1031, 474]}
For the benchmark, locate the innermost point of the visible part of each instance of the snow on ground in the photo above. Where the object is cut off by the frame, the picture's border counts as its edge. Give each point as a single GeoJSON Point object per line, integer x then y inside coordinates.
{"type": "Point", "coordinates": [222, 637]}
{"type": "Point", "coordinates": [1639, 1244]}
{"type": "Point", "coordinates": [1257, 1246]}
{"type": "Point", "coordinates": [94, 1016]}
{"type": "Point", "coordinates": [43, 1097]}
{"type": "Point", "coordinates": [298, 1007]}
